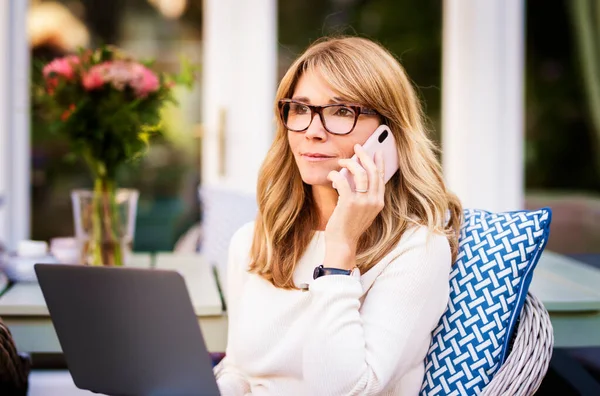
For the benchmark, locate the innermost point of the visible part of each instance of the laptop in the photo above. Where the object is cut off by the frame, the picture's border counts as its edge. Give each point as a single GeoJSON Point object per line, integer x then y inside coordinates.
{"type": "Point", "coordinates": [127, 331]}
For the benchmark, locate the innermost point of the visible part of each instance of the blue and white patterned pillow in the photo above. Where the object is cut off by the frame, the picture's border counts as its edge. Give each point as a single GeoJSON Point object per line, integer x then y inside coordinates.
{"type": "Point", "coordinates": [488, 287]}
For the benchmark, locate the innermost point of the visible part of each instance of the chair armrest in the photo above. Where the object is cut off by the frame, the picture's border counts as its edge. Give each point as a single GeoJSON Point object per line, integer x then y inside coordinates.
{"type": "Point", "coordinates": [527, 364]}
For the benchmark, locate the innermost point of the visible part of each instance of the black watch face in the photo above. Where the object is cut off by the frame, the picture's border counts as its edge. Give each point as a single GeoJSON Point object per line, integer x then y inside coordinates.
{"type": "Point", "coordinates": [316, 272]}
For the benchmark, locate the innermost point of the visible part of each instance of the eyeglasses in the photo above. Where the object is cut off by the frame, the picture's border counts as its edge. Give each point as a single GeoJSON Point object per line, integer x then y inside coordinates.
{"type": "Point", "coordinates": [338, 119]}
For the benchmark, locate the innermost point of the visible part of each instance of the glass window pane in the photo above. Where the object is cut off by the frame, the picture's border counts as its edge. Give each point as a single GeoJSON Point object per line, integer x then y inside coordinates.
{"type": "Point", "coordinates": [562, 152]}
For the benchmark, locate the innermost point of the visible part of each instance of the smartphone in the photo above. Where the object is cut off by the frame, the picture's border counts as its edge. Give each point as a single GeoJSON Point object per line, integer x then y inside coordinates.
{"type": "Point", "coordinates": [382, 139]}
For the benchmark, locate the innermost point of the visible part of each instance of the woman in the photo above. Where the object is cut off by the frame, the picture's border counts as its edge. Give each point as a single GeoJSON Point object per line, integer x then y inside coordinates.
{"type": "Point", "coordinates": [363, 326]}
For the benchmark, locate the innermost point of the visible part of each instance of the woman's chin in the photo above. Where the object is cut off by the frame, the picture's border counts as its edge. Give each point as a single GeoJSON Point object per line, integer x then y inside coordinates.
{"type": "Point", "coordinates": [316, 180]}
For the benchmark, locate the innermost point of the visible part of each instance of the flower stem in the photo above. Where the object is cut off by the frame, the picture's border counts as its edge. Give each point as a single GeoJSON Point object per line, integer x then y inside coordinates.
{"type": "Point", "coordinates": [105, 241]}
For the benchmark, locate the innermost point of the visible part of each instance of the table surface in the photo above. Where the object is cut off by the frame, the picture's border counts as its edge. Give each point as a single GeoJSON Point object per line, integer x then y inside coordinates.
{"type": "Point", "coordinates": [26, 299]}
{"type": "Point", "coordinates": [566, 285]}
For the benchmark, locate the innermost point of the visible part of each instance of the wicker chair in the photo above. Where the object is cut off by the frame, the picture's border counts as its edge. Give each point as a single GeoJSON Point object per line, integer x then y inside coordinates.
{"type": "Point", "coordinates": [526, 365]}
{"type": "Point", "coordinates": [14, 367]}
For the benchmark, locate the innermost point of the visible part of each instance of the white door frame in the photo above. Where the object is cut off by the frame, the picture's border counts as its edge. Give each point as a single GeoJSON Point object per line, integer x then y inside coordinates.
{"type": "Point", "coordinates": [15, 150]}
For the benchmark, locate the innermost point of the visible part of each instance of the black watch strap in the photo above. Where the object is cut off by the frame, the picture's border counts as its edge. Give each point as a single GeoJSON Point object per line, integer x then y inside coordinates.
{"type": "Point", "coordinates": [321, 271]}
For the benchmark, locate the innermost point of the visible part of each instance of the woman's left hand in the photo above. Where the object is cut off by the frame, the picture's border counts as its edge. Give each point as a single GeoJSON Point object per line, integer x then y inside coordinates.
{"type": "Point", "coordinates": [355, 210]}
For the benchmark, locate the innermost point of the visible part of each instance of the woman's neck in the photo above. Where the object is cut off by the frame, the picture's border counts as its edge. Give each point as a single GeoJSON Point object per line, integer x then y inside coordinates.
{"type": "Point", "coordinates": [325, 199]}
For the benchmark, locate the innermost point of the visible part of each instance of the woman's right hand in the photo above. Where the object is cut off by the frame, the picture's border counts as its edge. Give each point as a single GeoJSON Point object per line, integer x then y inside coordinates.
{"type": "Point", "coordinates": [355, 210]}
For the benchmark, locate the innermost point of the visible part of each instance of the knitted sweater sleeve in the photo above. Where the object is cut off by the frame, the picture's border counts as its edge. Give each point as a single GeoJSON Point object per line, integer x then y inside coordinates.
{"type": "Point", "coordinates": [357, 349]}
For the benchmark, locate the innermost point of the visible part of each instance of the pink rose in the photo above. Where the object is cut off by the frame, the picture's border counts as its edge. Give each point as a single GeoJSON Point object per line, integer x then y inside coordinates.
{"type": "Point", "coordinates": [145, 81]}
{"type": "Point", "coordinates": [62, 67]}
{"type": "Point", "coordinates": [59, 68]}
{"type": "Point", "coordinates": [118, 73]}
{"type": "Point", "coordinates": [94, 78]}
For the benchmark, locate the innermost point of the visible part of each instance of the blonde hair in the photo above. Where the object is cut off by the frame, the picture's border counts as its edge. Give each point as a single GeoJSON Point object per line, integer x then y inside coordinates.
{"type": "Point", "coordinates": [360, 71]}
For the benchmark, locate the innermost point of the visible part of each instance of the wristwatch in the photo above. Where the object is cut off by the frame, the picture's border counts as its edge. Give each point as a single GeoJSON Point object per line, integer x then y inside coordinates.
{"type": "Point", "coordinates": [321, 271]}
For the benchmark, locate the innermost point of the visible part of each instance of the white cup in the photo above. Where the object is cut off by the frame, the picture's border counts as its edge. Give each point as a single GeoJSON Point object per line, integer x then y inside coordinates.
{"type": "Point", "coordinates": [65, 250]}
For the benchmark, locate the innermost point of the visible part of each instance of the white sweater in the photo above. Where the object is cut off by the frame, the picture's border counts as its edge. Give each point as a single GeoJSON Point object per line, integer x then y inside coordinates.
{"type": "Point", "coordinates": [346, 335]}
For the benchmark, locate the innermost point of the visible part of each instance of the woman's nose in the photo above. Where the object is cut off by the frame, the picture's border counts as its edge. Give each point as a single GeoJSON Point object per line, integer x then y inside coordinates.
{"type": "Point", "coordinates": [316, 130]}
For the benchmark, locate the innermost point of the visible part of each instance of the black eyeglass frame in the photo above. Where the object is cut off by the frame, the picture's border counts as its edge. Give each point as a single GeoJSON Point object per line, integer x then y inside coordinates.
{"type": "Point", "coordinates": [358, 110]}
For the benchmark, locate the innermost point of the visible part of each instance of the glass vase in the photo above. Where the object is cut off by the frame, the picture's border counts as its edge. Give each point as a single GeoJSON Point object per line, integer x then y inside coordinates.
{"type": "Point", "coordinates": [105, 223]}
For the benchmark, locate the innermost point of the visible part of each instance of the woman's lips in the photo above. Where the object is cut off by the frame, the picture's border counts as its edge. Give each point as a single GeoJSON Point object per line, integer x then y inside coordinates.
{"type": "Point", "coordinates": [316, 157]}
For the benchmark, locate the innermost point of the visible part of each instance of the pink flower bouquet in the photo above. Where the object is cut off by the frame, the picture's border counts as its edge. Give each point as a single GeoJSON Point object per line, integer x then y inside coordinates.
{"type": "Point", "coordinates": [107, 106]}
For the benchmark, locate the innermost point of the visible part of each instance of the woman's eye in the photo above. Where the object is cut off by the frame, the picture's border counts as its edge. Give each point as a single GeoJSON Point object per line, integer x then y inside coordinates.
{"type": "Point", "coordinates": [299, 109]}
{"type": "Point", "coordinates": [344, 112]}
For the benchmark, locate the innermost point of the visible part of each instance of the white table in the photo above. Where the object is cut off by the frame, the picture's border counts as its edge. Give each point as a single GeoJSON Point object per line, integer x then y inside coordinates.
{"type": "Point", "coordinates": [24, 310]}
{"type": "Point", "coordinates": [54, 382]}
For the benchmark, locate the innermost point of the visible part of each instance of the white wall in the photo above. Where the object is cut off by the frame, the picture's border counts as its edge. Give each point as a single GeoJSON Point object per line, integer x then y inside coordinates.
{"type": "Point", "coordinates": [14, 122]}
{"type": "Point", "coordinates": [4, 30]}
{"type": "Point", "coordinates": [482, 102]}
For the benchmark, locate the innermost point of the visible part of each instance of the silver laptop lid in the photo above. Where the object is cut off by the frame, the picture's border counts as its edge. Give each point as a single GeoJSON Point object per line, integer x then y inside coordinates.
{"type": "Point", "coordinates": [127, 331]}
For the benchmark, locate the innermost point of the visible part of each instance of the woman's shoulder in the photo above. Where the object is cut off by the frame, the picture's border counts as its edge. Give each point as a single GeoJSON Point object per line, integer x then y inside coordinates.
{"type": "Point", "coordinates": [238, 260]}
{"type": "Point", "coordinates": [240, 245]}
{"type": "Point", "coordinates": [244, 234]}
{"type": "Point", "coordinates": [421, 234]}
{"type": "Point", "coordinates": [418, 248]}
{"type": "Point", "coordinates": [422, 237]}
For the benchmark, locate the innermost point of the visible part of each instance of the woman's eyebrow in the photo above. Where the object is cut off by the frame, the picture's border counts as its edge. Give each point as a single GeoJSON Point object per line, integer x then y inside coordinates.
{"type": "Point", "coordinates": [337, 99]}
{"type": "Point", "coordinates": [303, 99]}
{"type": "Point", "coordinates": [334, 100]}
